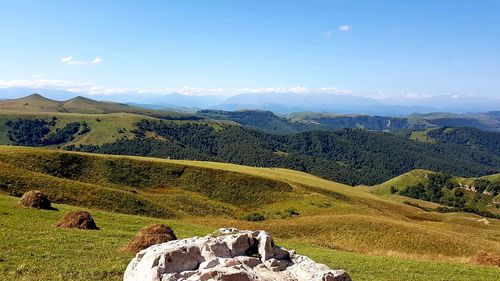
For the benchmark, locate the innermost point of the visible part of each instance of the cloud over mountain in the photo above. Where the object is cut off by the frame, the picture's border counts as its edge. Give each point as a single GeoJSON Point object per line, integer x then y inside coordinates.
{"type": "Point", "coordinates": [71, 60]}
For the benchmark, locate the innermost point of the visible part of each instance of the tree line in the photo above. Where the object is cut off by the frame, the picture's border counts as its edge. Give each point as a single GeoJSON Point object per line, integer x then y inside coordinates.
{"type": "Point", "coordinates": [351, 156]}
{"type": "Point", "coordinates": [39, 132]}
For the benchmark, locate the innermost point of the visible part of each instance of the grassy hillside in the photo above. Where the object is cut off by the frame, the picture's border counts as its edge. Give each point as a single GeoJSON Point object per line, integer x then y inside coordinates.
{"type": "Point", "coordinates": [135, 186]}
{"type": "Point", "coordinates": [403, 181]}
{"type": "Point", "coordinates": [351, 156]}
{"type": "Point", "coordinates": [421, 176]}
{"type": "Point", "coordinates": [44, 252]}
{"type": "Point", "coordinates": [36, 103]}
{"type": "Point", "coordinates": [262, 120]}
{"type": "Point", "coordinates": [104, 128]}
{"type": "Point", "coordinates": [296, 206]}
{"type": "Point", "coordinates": [452, 191]}
{"type": "Point", "coordinates": [488, 121]}
{"type": "Point", "coordinates": [32, 103]}
{"type": "Point", "coordinates": [495, 177]}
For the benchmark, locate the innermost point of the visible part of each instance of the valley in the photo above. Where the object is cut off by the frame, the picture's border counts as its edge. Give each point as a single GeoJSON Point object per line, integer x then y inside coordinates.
{"type": "Point", "coordinates": [324, 140]}
{"type": "Point", "coordinates": [344, 197]}
{"type": "Point", "coordinates": [339, 220]}
{"type": "Point", "coordinates": [351, 156]}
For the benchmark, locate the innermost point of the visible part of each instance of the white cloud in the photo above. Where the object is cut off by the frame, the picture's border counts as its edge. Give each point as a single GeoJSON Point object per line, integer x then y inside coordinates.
{"type": "Point", "coordinates": [97, 60]}
{"type": "Point", "coordinates": [235, 91]}
{"type": "Point", "coordinates": [335, 90]}
{"type": "Point", "coordinates": [345, 28]}
{"type": "Point", "coordinates": [71, 60]}
{"type": "Point", "coordinates": [92, 89]}
{"type": "Point", "coordinates": [66, 85]}
{"type": "Point", "coordinates": [42, 83]}
{"type": "Point", "coordinates": [328, 33]}
{"type": "Point", "coordinates": [415, 96]}
{"type": "Point", "coordinates": [67, 59]}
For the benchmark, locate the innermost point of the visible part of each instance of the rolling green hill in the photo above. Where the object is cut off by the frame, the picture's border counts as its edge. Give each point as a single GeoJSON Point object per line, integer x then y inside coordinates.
{"type": "Point", "coordinates": [258, 119]}
{"type": "Point", "coordinates": [310, 121]}
{"type": "Point", "coordinates": [351, 156]}
{"type": "Point", "coordinates": [32, 103]}
{"type": "Point", "coordinates": [104, 128]}
{"type": "Point", "coordinates": [44, 252]}
{"type": "Point", "coordinates": [336, 223]}
{"type": "Point", "coordinates": [485, 121]}
{"type": "Point", "coordinates": [464, 194]}
{"type": "Point", "coordinates": [403, 181]}
{"type": "Point", "coordinates": [36, 103]}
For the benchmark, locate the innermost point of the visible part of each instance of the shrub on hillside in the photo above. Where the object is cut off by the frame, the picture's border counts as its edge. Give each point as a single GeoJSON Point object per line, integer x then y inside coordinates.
{"type": "Point", "coordinates": [254, 217]}
{"type": "Point", "coordinates": [394, 189]}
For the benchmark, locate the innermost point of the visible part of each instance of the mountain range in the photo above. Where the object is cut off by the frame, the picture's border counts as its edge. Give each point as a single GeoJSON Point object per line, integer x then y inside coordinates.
{"type": "Point", "coordinates": [262, 119]}
{"type": "Point", "coordinates": [282, 103]}
{"type": "Point", "coordinates": [341, 147]}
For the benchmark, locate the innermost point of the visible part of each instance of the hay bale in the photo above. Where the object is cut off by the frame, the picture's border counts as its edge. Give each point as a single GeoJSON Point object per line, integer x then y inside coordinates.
{"type": "Point", "coordinates": [77, 219]}
{"type": "Point", "coordinates": [485, 258]}
{"type": "Point", "coordinates": [35, 199]}
{"type": "Point", "coordinates": [151, 235]}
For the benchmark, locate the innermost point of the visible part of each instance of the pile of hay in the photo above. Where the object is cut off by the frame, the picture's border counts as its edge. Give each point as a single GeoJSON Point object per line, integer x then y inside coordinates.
{"type": "Point", "coordinates": [151, 235]}
{"type": "Point", "coordinates": [77, 219]}
{"type": "Point", "coordinates": [485, 258]}
{"type": "Point", "coordinates": [35, 199]}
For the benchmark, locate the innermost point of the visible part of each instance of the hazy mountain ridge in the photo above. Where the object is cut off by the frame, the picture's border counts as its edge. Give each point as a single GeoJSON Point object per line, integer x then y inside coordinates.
{"type": "Point", "coordinates": [38, 103]}
{"type": "Point", "coordinates": [350, 156]}
{"type": "Point", "coordinates": [261, 119]}
{"type": "Point", "coordinates": [283, 103]}
{"type": "Point", "coordinates": [309, 121]}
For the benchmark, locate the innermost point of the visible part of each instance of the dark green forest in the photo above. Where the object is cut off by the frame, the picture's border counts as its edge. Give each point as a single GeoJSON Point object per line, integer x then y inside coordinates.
{"type": "Point", "coordinates": [471, 137]}
{"type": "Point", "coordinates": [37, 132]}
{"type": "Point", "coordinates": [351, 156]}
{"type": "Point", "coordinates": [441, 189]}
{"type": "Point", "coordinates": [302, 122]}
{"type": "Point", "coordinates": [271, 123]}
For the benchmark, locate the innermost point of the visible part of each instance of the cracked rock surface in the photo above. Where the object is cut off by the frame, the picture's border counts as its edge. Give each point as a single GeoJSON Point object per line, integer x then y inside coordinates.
{"type": "Point", "coordinates": [227, 255]}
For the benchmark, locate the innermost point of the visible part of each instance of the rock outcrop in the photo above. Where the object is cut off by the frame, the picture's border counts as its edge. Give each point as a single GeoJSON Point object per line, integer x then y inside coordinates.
{"type": "Point", "coordinates": [227, 255]}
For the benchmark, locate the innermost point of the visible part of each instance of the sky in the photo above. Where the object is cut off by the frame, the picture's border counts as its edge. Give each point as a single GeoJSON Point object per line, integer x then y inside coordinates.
{"type": "Point", "coordinates": [377, 48]}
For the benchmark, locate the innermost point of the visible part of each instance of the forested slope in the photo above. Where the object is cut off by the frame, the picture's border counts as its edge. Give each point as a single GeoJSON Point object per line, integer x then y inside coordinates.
{"type": "Point", "coordinates": [351, 156]}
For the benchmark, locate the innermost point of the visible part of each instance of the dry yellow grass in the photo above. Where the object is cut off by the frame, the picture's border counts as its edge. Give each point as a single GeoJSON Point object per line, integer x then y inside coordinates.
{"type": "Point", "coordinates": [332, 215]}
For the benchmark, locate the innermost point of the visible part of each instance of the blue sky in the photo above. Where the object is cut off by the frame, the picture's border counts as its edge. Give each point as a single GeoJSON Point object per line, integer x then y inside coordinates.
{"type": "Point", "coordinates": [434, 47]}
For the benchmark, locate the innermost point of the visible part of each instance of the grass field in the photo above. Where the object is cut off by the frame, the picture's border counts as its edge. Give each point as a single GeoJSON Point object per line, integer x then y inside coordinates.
{"type": "Point", "coordinates": [412, 178]}
{"type": "Point", "coordinates": [31, 248]}
{"type": "Point", "coordinates": [108, 121]}
{"type": "Point", "coordinates": [36, 103]}
{"type": "Point", "coordinates": [374, 237]}
{"type": "Point", "coordinates": [105, 128]}
{"type": "Point", "coordinates": [421, 136]}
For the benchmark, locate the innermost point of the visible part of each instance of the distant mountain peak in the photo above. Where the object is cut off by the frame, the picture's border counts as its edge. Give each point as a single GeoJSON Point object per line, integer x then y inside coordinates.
{"type": "Point", "coordinates": [82, 99]}
{"type": "Point", "coordinates": [36, 96]}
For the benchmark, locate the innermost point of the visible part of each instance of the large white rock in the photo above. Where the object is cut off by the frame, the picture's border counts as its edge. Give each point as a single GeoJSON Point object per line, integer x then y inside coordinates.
{"type": "Point", "coordinates": [227, 255]}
